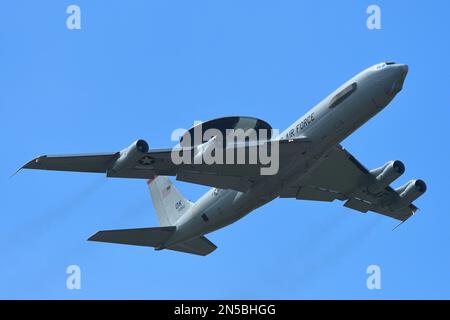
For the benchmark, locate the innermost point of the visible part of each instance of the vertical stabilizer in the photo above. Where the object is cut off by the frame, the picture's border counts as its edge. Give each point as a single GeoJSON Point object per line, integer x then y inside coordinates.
{"type": "Point", "coordinates": [169, 203]}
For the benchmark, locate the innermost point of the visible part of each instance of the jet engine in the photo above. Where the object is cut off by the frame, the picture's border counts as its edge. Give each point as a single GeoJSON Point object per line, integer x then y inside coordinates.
{"type": "Point", "coordinates": [130, 155]}
{"type": "Point", "coordinates": [409, 192]}
{"type": "Point", "coordinates": [412, 190]}
{"type": "Point", "coordinates": [385, 175]}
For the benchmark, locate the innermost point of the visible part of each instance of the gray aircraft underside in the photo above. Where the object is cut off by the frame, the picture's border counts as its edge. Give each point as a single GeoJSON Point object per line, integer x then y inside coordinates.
{"type": "Point", "coordinates": [312, 166]}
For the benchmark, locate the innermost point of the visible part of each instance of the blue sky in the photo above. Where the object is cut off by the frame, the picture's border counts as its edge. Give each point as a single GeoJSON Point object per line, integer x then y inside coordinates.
{"type": "Point", "coordinates": [140, 69]}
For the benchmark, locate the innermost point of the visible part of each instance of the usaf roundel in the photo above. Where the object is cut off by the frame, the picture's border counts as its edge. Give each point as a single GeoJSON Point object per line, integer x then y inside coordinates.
{"type": "Point", "coordinates": [146, 161]}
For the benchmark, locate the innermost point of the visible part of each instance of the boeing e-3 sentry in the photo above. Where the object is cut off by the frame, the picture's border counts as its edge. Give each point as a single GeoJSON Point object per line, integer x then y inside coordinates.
{"type": "Point", "coordinates": [312, 165]}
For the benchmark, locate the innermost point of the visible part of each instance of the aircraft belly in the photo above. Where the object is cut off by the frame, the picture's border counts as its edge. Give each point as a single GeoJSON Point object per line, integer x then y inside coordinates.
{"type": "Point", "coordinates": [235, 208]}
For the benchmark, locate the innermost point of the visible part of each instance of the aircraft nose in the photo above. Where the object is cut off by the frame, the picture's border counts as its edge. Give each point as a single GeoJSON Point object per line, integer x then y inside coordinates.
{"type": "Point", "coordinates": [403, 69]}
{"type": "Point", "coordinates": [396, 79]}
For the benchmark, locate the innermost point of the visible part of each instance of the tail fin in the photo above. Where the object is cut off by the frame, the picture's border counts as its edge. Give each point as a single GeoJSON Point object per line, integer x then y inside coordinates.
{"type": "Point", "coordinates": [169, 203]}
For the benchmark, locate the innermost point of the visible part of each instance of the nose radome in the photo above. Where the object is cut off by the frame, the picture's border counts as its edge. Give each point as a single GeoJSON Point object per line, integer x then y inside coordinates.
{"type": "Point", "coordinates": [394, 77]}
{"type": "Point", "coordinates": [403, 69]}
{"type": "Point", "coordinates": [398, 79]}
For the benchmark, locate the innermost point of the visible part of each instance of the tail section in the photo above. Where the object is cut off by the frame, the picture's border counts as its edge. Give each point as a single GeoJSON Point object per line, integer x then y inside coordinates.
{"type": "Point", "coordinates": [154, 237]}
{"type": "Point", "coordinates": [169, 203]}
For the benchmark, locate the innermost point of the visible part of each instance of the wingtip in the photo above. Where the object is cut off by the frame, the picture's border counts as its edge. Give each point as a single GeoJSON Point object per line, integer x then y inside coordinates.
{"type": "Point", "coordinates": [34, 163]}
{"type": "Point", "coordinates": [399, 224]}
{"type": "Point", "coordinates": [15, 172]}
{"type": "Point", "coordinates": [403, 221]}
{"type": "Point", "coordinates": [93, 237]}
{"type": "Point", "coordinates": [28, 165]}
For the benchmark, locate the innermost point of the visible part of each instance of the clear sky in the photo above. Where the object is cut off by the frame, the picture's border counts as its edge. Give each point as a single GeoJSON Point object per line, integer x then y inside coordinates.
{"type": "Point", "coordinates": [139, 69]}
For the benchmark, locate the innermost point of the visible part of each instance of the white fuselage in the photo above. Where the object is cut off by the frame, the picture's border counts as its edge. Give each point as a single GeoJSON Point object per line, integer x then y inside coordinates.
{"type": "Point", "coordinates": [326, 125]}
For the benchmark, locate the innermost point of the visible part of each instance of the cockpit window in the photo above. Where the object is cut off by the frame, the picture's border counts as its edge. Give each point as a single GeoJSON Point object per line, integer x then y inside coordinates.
{"type": "Point", "coordinates": [380, 66]}
{"type": "Point", "coordinates": [344, 94]}
{"type": "Point", "coordinates": [389, 63]}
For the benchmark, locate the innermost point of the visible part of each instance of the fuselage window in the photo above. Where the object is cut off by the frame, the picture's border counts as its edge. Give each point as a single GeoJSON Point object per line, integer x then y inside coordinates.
{"type": "Point", "coordinates": [344, 94]}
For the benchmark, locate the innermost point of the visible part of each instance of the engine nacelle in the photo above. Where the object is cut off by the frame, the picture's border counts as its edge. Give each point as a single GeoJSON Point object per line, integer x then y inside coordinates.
{"type": "Point", "coordinates": [385, 175]}
{"type": "Point", "coordinates": [130, 155]}
{"type": "Point", "coordinates": [409, 192]}
{"type": "Point", "coordinates": [412, 190]}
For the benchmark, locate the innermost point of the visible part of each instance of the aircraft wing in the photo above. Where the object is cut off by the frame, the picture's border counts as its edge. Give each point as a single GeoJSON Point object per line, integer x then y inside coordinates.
{"type": "Point", "coordinates": [145, 165]}
{"type": "Point", "coordinates": [132, 163]}
{"type": "Point", "coordinates": [338, 175]}
{"type": "Point", "coordinates": [98, 162]}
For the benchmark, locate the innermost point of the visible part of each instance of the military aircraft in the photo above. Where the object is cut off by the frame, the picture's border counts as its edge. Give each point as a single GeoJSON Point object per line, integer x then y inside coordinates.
{"type": "Point", "coordinates": [312, 166]}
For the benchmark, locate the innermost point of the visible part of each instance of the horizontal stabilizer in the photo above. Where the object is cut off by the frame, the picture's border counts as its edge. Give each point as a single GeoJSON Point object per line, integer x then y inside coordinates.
{"type": "Point", "coordinates": [200, 246]}
{"type": "Point", "coordinates": [154, 237]}
{"type": "Point", "coordinates": [148, 237]}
